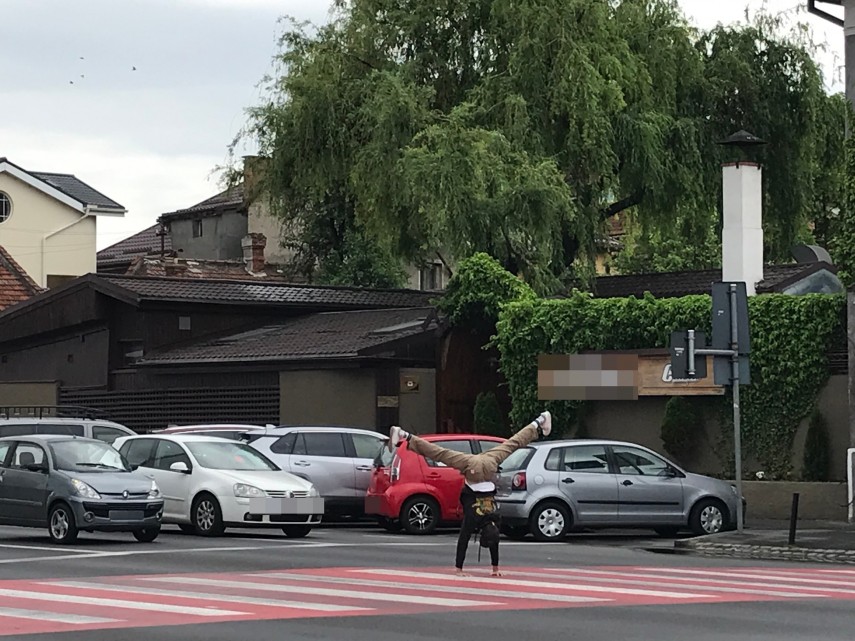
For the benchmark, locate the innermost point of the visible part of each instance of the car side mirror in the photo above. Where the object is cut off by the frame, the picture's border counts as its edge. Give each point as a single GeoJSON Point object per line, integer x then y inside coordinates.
{"type": "Point", "coordinates": [36, 467]}
{"type": "Point", "coordinates": [180, 467]}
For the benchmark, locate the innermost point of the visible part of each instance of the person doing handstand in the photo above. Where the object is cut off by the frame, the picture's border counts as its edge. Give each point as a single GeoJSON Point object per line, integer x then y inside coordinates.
{"type": "Point", "coordinates": [479, 488]}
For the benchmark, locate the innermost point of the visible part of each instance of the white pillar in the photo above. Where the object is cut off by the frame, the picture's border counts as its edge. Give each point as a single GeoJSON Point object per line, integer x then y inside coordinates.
{"type": "Point", "coordinates": [742, 235]}
{"type": "Point", "coordinates": [849, 47]}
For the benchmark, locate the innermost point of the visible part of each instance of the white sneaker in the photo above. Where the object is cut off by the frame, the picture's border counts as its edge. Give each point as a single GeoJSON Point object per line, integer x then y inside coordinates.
{"type": "Point", "coordinates": [545, 423]}
{"type": "Point", "coordinates": [396, 435]}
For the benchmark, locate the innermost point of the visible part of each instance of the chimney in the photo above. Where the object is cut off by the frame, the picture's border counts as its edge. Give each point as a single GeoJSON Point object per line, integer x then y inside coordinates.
{"type": "Point", "coordinates": [742, 233]}
{"type": "Point", "coordinates": [253, 252]}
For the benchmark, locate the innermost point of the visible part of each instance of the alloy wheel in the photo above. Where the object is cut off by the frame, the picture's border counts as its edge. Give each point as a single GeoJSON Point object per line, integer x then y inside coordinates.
{"type": "Point", "coordinates": [59, 524]}
{"type": "Point", "coordinates": [205, 515]}
{"type": "Point", "coordinates": [420, 516]}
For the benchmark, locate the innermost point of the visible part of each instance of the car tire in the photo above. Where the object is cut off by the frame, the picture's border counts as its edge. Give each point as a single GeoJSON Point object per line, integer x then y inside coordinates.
{"type": "Point", "coordinates": [147, 535]}
{"type": "Point", "coordinates": [515, 532]}
{"type": "Point", "coordinates": [297, 531]}
{"type": "Point", "coordinates": [207, 516]}
{"type": "Point", "coordinates": [667, 532]}
{"type": "Point", "coordinates": [550, 522]}
{"type": "Point", "coordinates": [62, 527]}
{"type": "Point", "coordinates": [420, 515]}
{"type": "Point", "coordinates": [708, 516]}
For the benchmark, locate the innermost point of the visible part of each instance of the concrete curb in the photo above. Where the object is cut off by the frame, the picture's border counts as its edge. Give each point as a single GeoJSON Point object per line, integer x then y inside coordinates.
{"type": "Point", "coordinates": [765, 552]}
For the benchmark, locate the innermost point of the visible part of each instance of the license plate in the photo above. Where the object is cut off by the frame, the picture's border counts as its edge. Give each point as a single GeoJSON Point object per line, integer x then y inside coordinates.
{"type": "Point", "coordinates": [126, 515]}
{"type": "Point", "coordinates": [286, 506]}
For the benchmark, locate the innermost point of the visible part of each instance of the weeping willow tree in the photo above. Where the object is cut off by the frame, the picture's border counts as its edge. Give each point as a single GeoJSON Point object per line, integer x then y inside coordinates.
{"type": "Point", "coordinates": [519, 127]}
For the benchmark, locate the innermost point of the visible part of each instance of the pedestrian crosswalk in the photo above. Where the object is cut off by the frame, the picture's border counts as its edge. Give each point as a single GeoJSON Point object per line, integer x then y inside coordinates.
{"type": "Point", "coordinates": [58, 605]}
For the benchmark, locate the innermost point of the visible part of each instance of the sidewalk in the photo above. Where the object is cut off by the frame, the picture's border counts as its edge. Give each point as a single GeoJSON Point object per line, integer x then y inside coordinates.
{"type": "Point", "coordinates": [820, 541]}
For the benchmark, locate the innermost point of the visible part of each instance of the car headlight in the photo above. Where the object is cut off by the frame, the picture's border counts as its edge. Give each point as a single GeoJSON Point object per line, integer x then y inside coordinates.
{"type": "Point", "coordinates": [735, 491]}
{"type": "Point", "coordinates": [154, 491]}
{"type": "Point", "coordinates": [84, 490]}
{"type": "Point", "coordinates": [313, 491]}
{"type": "Point", "coordinates": [247, 491]}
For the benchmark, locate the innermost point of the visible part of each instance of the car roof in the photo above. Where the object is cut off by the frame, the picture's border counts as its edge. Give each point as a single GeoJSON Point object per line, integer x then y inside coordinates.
{"type": "Point", "coordinates": [49, 437]}
{"type": "Point", "coordinates": [57, 419]}
{"type": "Point", "coordinates": [286, 429]}
{"type": "Point", "coordinates": [178, 437]}
{"type": "Point", "coordinates": [586, 441]}
{"type": "Point", "coordinates": [213, 427]}
{"type": "Point", "coordinates": [459, 437]}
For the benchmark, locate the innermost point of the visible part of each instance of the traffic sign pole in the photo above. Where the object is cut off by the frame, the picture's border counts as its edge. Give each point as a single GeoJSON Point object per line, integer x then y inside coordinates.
{"type": "Point", "coordinates": [737, 433]}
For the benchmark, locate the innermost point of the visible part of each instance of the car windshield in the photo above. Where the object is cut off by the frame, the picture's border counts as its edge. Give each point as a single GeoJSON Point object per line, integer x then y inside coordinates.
{"type": "Point", "coordinates": [91, 456]}
{"type": "Point", "coordinates": [229, 456]}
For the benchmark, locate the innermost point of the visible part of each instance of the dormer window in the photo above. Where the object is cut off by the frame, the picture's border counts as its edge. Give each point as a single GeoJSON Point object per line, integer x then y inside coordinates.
{"type": "Point", "coordinates": [5, 207]}
{"type": "Point", "coordinates": [197, 228]}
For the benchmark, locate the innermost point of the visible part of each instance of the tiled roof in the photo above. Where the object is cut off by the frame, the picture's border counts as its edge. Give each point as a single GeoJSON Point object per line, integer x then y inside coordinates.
{"type": "Point", "coordinates": [208, 269]}
{"type": "Point", "coordinates": [675, 284]}
{"type": "Point", "coordinates": [142, 243]}
{"type": "Point", "coordinates": [247, 292]}
{"type": "Point", "coordinates": [77, 189]}
{"type": "Point", "coordinates": [230, 199]}
{"type": "Point", "coordinates": [330, 335]}
{"type": "Point", "coordinates": [15, 284]}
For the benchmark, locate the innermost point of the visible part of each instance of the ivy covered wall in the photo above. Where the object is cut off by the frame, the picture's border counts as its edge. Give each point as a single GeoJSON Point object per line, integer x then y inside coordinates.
{"type": "Point", "coordinates": [790, 338]}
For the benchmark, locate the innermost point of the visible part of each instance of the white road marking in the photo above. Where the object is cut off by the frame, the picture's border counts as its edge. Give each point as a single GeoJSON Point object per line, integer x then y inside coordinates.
{"type": "Point", "coordinates": [430, 588]}
{"type": "Point", "coordinates": [53, 617]}
{"type": "Point", "coordinates": [208, 596]}
{"type": "Point", "coordinates": [543, 584]}
{"type": "Point", "coordinates": [47, 548]}
{"type": "Point", "coordinates": [794, 580]}
{"type": "Point", "coordinates": [303, 589]}
{"type": "Point", "coordinates": [118, 603]}
{"type": "Point", "coordinates": [603, 576]}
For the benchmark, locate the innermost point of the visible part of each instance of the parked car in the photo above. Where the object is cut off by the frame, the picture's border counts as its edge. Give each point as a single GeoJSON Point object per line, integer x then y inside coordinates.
{"type": "Point", "coordinates": [42, 419]}
{"type": "Point", "coordinates": [337, 460]}
{"type": "Point", "coordinates": [212, 483]}
{"type": "Point", "coordinates": [68, 484]}
{"type": "Point", "coordinates": [551, 487]}
{"type": "Point", "coordinates": [417, 494]}
{"type": "Point", "coordinates": [221, 430]}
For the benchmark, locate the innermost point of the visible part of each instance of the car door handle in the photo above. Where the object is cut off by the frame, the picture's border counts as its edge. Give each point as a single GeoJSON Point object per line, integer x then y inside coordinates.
{"type": "Point", "coordinates": [364, 468]}
{"type": "Point", "coordinates": [567, 480]}
{"type": "Point", "coordinates": [434, 476]}
{"type": "Point", "coordinates": [627, 482]}
{"type": "Point", "coordinates": [302, 464]}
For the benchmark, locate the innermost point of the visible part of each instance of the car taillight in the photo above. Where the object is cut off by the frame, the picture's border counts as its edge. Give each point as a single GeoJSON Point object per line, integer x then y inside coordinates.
{"type": "Point", "coordinates": [395, 472]}
{"type": "Point", "coordinates": [519, 481]}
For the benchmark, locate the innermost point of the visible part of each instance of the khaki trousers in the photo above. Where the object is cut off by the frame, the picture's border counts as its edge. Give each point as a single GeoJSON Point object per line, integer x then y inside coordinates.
{"type": "Point", "coordinates": [477, 468]}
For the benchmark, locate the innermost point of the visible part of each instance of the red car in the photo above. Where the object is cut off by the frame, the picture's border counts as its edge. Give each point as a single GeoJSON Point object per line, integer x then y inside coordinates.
{"type": "Point", "coordinates": [411, 492]}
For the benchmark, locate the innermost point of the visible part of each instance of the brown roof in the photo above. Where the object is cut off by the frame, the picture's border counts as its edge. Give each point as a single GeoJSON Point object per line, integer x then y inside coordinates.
{"type": "Point", "coordinates": [231, 199]}
{"type": "Point", "coordinates": [15, 284]}
{"type": "Point", "coordinates": [120, 255]}
{"type": "Point", "coordinates": [328, 335]}
{"type": "Point", "coordinates": [675, 284]}
{"type": "Point", "coordinates": [207, 269]}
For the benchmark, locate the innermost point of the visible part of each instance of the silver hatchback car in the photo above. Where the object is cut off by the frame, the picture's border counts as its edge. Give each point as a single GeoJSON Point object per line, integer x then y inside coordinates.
{"type": "Point", "coordinates": [69, 484]}
{"type": "Point", "coordinates": [552, 487]}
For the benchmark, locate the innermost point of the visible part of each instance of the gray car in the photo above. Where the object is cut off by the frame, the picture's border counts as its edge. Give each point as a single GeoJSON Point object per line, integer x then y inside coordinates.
{"type": "Point", "coordinates": [552, 487]}
{"type": "Point", "coordinates": [68, 484]}
{"type": "Point", "coordinates": [338, 461]}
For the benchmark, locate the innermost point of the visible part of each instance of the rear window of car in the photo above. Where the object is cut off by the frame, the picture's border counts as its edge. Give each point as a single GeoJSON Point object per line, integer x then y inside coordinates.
{"type": "Point", "coordinates": [517, 460]}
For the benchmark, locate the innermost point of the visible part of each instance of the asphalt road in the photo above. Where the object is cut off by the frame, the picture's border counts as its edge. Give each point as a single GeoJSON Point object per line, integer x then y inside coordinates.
{"type": "Point", "coordinates": [364, 584]}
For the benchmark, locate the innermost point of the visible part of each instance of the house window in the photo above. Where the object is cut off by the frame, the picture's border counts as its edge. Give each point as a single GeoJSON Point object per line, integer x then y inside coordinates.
{"type": "Point", "coordinates": [197, 229]}
{"type": "Point", "coordinates": [55, 280]}
{"type": "Point", "coordinates": [430, 277]}
{"type": "Point", "coordinates": [5, 207]}
{"type": "Point", "coordinates": [132, 351]}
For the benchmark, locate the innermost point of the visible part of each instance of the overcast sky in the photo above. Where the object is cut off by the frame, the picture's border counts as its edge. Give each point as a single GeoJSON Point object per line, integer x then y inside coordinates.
{"type": "Point", "coordinates": [150, 138]}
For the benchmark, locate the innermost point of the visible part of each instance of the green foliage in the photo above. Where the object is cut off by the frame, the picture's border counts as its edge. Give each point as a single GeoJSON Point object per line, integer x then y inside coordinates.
{"type": "Point", "coordinates": [516, 127]}
{"type": "Point", "coordinates": [680, 425]}
{"type": "Point", "coordinates": [817, 449]}
{"type": "Point", "coordinates": [487, 416]}
{"type": "Point", "coordinates": [843, 247]}
{"type": "Point", "coordinates": [790, 336]}
{"type": "Point", "coordinates": [477, 292]}
{"type": "Point", "coordinates": [361, 262]}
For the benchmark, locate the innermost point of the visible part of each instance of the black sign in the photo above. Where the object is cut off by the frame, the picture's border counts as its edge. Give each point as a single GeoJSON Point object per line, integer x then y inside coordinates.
{"type": "Point", "coordinates": [680, 356]}
{"type": "Point", "coordinates": [721, 318]}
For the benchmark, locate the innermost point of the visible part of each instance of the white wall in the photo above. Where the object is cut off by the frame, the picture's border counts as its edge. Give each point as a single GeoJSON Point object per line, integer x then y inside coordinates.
{"type": "Point", "coordinates": [35, 216]}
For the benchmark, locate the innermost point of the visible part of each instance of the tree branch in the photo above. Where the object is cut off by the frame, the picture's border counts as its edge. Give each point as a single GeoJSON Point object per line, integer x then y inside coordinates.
{"type": "Point", "coordinates": [622, 204]}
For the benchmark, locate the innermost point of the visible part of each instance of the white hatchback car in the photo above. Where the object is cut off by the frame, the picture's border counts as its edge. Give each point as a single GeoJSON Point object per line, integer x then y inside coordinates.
{"type": "Point", "coordinates": [210, 483]}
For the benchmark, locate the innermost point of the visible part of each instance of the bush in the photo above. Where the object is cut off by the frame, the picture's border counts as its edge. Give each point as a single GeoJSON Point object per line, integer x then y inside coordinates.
{"type": "Point", "coordinates": [487, 417]}
{"type": "Point", "coordinates": [816, 455]}
{"type": "Point", "coordinates": [680, 423]}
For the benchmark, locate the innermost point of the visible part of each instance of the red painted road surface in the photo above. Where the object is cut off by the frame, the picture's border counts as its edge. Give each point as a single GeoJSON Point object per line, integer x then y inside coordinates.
{"type": "Point", "coordinates": [60, 605]}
